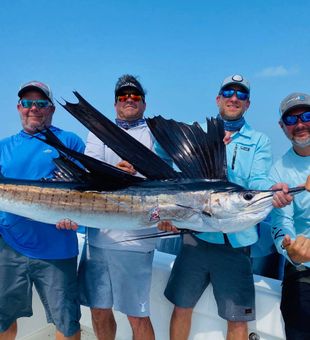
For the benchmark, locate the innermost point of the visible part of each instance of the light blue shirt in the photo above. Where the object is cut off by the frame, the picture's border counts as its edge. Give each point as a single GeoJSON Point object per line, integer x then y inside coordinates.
{"type": "Point", "coordinates": [294, 219]}
{"type": "Point", "coordinates": [249, 160]}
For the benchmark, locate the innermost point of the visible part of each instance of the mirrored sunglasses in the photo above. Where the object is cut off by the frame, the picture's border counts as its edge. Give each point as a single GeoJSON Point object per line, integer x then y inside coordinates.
{"type": "Point", "coordinates": [40, 103]}
{"type": "Point", "coordinates": [228, 93]}
{"type": "Point", "coordinates": [290, 120]}
{"type": "Point", "coordinates": [134, 97]}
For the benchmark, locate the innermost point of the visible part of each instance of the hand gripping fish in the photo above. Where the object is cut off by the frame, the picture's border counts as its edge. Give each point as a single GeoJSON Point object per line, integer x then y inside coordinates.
{"type": "Point", "coordinates": [197, 197]}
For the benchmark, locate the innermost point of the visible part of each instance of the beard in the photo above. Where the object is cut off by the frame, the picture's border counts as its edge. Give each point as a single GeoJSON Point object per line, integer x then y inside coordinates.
{"type": "Point", "coordinates": [32, 123]}
{"type": "Point", "coordinates": [301, 142]}
{"type": "Point", "coordinates": [33, 127]}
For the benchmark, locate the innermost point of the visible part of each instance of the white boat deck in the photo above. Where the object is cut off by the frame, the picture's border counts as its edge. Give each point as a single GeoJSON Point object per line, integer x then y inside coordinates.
{"type": "Point", "coordinates": [206, 324]}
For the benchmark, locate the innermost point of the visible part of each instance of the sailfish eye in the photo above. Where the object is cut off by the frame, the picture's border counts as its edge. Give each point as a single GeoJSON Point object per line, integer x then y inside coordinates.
{"type": "Point", "coordinates": [248, 196]}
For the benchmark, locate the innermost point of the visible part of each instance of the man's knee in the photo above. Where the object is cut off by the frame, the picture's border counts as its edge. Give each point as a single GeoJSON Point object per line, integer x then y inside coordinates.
{"type": "Point", "coordinates": [9, 333]}
{"type": "Point", "coordinates": [137, 322]}
{"type": "Point", "coordinates": [237, 329]}
{"type": "Point", "coordinates": [182, 312]}
{"type": "Point", "coordinates": [61, 336]}
{"type": "Point", "coordinates": [101, 315]}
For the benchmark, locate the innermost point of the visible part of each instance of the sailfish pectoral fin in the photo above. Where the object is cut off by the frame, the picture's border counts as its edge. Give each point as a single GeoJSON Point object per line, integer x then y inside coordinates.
{"type": "Point", "coordinates": [187, 207]}
{"type": "Point", "coordinates": [101, 176]}
{"type": "Point", "coordinates": [204, 212]}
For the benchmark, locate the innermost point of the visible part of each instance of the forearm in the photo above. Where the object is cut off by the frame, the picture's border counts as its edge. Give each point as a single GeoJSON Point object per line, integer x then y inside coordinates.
{"type": "Point", "coordinates": [282, 225]}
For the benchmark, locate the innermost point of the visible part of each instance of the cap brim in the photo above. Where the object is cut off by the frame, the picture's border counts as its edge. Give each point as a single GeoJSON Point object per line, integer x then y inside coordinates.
{"type": "Point", "coordinates": [124, 88]}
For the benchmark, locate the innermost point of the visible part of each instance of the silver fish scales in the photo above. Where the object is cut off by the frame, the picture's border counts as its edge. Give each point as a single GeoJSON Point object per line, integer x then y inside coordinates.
{"type": "Point", "coordinates": [130, 208]}
{"type": "Point", "coordinates": [224, 209]}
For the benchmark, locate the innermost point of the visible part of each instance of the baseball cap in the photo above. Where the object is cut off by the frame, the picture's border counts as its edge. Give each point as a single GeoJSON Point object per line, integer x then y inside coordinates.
{"type": "Point", "coordinates": [294, 100]}
{"type": "Point", "coordinates": [128, 82]}
{"type": "Point", "coordinates": [39, 86]}
{"type": "Point", "coordinates": [236, 79]}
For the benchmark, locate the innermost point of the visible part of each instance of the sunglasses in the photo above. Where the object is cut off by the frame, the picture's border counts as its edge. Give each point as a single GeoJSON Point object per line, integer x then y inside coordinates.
{"type": "Point", "coordinates": [40, 103]}
{"type": "Point", "coordinates": [134, 97]}
{"type": "Point", "coordinates": [292, 120]}
{"type": "Point", "coordinates": [228, 93]}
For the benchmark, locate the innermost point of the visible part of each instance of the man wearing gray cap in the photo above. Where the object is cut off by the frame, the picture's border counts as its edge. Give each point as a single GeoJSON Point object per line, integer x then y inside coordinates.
{"type": "Point", "coordinates": [31, 252]}
{"type": "Point", "coordinates": [291, 224]}
{"type": "Point", "coordinates": [218, 258]}
{"type": "Point", "coordinates": [113, 274]}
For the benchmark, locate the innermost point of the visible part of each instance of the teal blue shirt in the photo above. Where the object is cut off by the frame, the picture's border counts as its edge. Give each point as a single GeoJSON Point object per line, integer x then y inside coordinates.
{"type": "Point", "coordinates": [249, 160]}
{"type": "Point", "coordinates": [294, 219]}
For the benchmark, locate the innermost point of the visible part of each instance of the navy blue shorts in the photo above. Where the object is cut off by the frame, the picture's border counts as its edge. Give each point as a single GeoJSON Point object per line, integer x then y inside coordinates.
{"type": "Point", "coordinates": [55, 281]}
{"type": "Point", "coordinates": [227, 268]}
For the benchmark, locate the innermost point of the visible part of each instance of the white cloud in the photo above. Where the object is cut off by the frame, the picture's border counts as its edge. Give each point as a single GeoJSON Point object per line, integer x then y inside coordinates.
{"type": "Point", "coordinates": [277, 71]}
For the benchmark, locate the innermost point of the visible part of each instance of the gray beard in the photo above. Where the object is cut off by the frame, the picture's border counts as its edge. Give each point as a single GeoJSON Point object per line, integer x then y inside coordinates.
{"type": "Point", "coordinates": [301, 143]}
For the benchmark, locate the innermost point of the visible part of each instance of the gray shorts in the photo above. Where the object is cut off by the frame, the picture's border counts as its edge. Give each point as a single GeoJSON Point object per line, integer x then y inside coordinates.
{"type": "Point", "coordinates": [228, 269]}
{"type": "Point", "coordinates": [119, 279]}
{"type": "Point", "coordinates": [55, 281]}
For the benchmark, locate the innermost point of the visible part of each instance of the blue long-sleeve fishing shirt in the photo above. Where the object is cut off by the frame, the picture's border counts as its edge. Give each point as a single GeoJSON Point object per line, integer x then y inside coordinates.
{"type": "Point", "coordinates": [22, 156]}
{"type": "Point", "coordinates": [294, 219]}
{"type": "Point", "coordinates": [249, 160]}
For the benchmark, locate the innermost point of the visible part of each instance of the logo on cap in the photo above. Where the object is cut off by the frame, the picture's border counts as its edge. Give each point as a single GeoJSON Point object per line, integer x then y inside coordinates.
{"type": "Point", "coordinates": [302, 98]}
{"type": "Point", "coordinates": [237, 78]}
{"type": "Point", "coordinates": [128, 85]}
{"type": "Point", "coordinates": [296, 99]}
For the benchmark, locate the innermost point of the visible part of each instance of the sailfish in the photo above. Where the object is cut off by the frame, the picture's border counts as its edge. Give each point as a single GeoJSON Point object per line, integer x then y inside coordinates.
{"type": "Point", "coordinates": [197, 196]}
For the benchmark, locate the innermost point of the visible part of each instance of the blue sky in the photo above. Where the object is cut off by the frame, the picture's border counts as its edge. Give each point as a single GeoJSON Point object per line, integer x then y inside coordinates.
{"type": "Point", "coordinates": [181, 50]}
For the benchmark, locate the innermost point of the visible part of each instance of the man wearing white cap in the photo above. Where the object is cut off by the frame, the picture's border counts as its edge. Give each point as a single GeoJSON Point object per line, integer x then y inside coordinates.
{"type": "Point", "coordinates": [218, 258]}
{"type": "Point", "coordinates": [31, 252]}
{"type": "Point", "coordinates": [291, 225]}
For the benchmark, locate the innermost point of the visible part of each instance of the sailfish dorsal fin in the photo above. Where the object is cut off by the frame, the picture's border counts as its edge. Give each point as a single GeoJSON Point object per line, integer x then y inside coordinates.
{"type": "Point", "coordinates": [128, 148]}
{"type": "Point", "coordinates": [196, 153]}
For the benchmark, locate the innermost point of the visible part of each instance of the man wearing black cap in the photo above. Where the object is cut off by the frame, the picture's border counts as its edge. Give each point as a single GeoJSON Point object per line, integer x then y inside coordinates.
{"type": "Point", "coordinates": [114, 274]}
{"type": "Point", "coordinates": [291, 225]}
{"type": "Point", "coordinates": [32, 252]}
